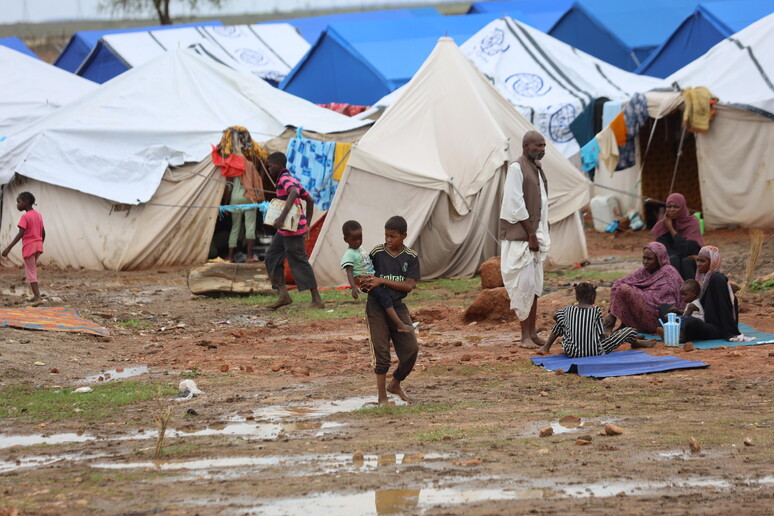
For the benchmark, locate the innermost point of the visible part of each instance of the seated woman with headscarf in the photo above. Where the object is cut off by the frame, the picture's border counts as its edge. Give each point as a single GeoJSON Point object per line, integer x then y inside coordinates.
{"type": "Point", "coordinates": [721, 309]}
{"type": "Point", "coordinates": [635, 299]}
{"type": "Point", "coordinates": [680, 233]}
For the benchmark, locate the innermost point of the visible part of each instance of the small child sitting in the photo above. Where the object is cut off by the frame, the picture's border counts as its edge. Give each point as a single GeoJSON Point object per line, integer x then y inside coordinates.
{"type": "Point", "coordinates": [581, 327]}
{"type": "Point", "coordinates": [689, 293]}
{"type": "Point", "coordinates": [358, 265]}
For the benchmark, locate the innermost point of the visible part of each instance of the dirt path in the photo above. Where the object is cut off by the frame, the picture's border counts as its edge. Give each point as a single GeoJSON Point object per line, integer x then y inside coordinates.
{"type": "Point", "coordinates": [276, 432]}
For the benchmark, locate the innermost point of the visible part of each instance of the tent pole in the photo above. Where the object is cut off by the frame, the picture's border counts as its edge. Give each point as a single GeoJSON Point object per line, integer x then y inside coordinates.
{"type": "Point", "coordinates": [677, 161]}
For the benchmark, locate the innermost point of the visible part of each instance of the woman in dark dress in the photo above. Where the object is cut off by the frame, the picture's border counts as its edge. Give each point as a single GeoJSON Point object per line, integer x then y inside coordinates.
{"type": "Point", "coordinates": [680, 233]}
{"type": "Point", "coordinates": [721, 310]}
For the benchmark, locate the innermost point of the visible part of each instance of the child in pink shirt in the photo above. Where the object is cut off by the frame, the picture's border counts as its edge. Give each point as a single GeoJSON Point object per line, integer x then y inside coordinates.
{"type": "Point", "coordinates": [32, 234]}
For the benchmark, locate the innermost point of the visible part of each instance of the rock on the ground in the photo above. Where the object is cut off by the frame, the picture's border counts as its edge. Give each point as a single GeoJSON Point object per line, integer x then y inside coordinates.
{"type": "Point", "coordinates": [749, 442]}
{"type": "Point", "coordinates": [430, 315]}
{"type": "Point", "coordinates": [491, 304]}
{"type": "Point", "coordinates": [694, 445]}
{"type": "Point", "coordinates": [547, 431]}
{"type": "Point", "coordinates": [611, 429]}
{"type": "Point", "coordinates": [491, 277]}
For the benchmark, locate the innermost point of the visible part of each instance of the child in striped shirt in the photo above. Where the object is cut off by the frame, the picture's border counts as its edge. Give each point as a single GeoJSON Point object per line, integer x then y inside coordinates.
{"type": "Point", "coordinates": [581, 327]}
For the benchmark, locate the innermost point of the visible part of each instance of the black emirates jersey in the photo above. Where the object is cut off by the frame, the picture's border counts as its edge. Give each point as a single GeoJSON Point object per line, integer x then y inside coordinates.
{"type": "Point", "coordinates": [395, 268]}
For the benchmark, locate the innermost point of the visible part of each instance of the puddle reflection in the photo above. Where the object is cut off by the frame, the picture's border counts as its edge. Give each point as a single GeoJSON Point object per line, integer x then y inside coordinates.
{"type": "Point", "coordinates": [117, 374]}
{"type": "Point", "coordinates": [312, 410]}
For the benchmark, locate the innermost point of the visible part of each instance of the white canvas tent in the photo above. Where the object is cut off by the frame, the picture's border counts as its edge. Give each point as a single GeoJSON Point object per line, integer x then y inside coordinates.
{"type": "Point", "coordinates": [734, 158]}
{"type": "Point", "coordinates": [102, 166]}
{"type": "Point", "coordinates": [32, 89]}
{"type": "Point", "coordinates": [437, 157]}
{"type": "Point", "coordinates": [267, 50]}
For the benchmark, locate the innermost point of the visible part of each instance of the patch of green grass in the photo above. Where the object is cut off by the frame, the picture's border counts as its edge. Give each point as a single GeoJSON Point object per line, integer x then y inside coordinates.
{"type": "Point", "coordinates": [107, 400]}
{"type": "Point", "coordinates": [440, 434]}
{"type": "Point", "coordinates": [339, 304]}
{"type": "Point", "coordinates": [134, 323]}
{"type": "Point", "coordinates": [193, 373]}
{"type": "Point", "coordinates": [760, 286]}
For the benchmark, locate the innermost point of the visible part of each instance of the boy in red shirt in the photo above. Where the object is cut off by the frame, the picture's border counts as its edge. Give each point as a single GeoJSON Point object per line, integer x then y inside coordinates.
{"type": "Point", "coordinates": [32, 234]}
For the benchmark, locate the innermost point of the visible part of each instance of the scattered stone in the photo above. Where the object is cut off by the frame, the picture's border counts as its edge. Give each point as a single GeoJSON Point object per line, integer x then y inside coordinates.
{"type": "Point", "coordinates": [611, 429]}
{"type": "Point", "coordinates": [771, 353]}
{"type": "Point", "coordinates": [358, 456]}
{"type": "Point", "coordinates": [694, 445]}
{"type": "Point", "coordinates": [544, 394]}
{"type": "Point", "coordinates": [81, 390]}
{"type": "Point", "coordinates": [491, 277]}
{"type": "Point", "coordinates": [749, 442]}
{"type": "Point", "coordinates": [688, 346]}
{"type": "Point", "coordinates": [735, 354]}
{"type": "Point", "coordinates": [301, 371]}
{"type": "Point", "coordinates": [543, 451]}
{"type": "Point", "coordinates": [119, 369]}
{"type": "Point", "coordinates": [77, 410]}
{"type": "Point", "coordinates": [191, 412]}
{"type": "Point", "coordinates": [278, 366]}
{"type": "Point", "coordinates": [446, 437]}
{"type": "Point", "coordinates": [249, 369]}
{"type": "Point", "coordinates": [583, 442]}
{"type": "Point", "coordinates": [54, 370]}
{"type": "Point", "coordinates": [559, 371]}
{"type": "Point", "coordinates": [570, 421]}
{"type": "Point", "coordinates": [224, 368]}
{"type": "Point", "coordinates": [546, 432]}
{"type": "Point", "coordinates": [491, 303]}
{"type": "Point", "coordinates": [465, 358]}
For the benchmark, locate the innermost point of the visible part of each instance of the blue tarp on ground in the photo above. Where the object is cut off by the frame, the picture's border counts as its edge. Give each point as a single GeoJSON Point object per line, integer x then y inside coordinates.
{"type": "Point", "coordinates": [621, 32]}
{"type": "Point", "coordinates": [82, 43]}
{"type": "Point", "coordinates": [618, 363]}
{"type": "Point", "coordinates": [540, 15]}
{"type": "Point", "coordinates": [748, 331]}
{"type": "Point", "coordinates": [18, 45]}
{"type": "Point", "coordinates": [707, 26]}
{"type": "Point", "coordinates": [359, 63]}
{"type": "Point", "coordinates": [311, 27]}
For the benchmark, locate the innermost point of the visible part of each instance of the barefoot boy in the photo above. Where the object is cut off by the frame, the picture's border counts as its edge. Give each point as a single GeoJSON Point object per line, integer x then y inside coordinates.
{"type": "Point", "coordinates": [358, 266]}
{"type": "Point", "coordinates": [397, 268]}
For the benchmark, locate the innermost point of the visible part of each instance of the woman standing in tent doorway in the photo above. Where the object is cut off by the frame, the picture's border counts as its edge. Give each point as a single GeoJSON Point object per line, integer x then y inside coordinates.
{"type": "Point", "coordinates": [32, 234]}
{"type": "Point", "coordinates": [680, 233]}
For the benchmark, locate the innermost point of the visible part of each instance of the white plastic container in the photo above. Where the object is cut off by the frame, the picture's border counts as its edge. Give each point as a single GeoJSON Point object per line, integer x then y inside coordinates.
{"type": "Point", "coordinates": [604, 210]}
{"type": "Point", "coordinates": [671, 330]}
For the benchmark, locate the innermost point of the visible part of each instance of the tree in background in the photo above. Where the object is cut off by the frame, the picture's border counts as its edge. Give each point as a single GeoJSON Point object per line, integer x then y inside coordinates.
{"type": "Point", "coordinates": [160, 6]}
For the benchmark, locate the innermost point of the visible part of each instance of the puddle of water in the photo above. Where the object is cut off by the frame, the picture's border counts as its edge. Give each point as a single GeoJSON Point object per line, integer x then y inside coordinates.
{"type": "Point", "coordinates": [638, 487]}
{"type": "Point", "coordinates": [248, 431]}
{"type": "Point", "coordinates": [317, 409]}
{"type": "Point", "coordinates": [390, 501]}
{"type": "Point", "coordinates": [43, 460]}
{"type": "Point", "coordinates": [114, 374]}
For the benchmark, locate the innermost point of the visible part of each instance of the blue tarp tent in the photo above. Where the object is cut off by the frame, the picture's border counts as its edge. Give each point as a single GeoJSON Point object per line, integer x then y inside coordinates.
{"type": "Point", "coordinates": [621, 32]}
{"type": "Point", "coordinates": [18, 45]}
{"type": "Point", "coordinates": [311, 27]}
{"type": "Point", "coordinates": [359, 63]}
{"type": "Point", "coordinates": [707, 26]}
{"type": "Point", "coordinates": [82, 43]}
{"type": "Point", "coordinates": [541, 15]}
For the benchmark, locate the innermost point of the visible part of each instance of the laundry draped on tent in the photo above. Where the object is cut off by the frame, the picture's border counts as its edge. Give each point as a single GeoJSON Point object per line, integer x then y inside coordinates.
{"type": "Point", "coordinates": [438, 157]}
{"type": "Point", "coordinates": [143, 192]}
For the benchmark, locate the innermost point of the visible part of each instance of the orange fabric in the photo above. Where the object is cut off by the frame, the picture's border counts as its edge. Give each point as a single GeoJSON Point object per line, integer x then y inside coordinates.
{"type": "Point", "coordinates": [232, 166]}
{"type": "Point", "coordinates": [52, 319]}
{"type": "Point", "coordinates": [252, 182]}
{"type": "Point", "coordinates": [618, 125]}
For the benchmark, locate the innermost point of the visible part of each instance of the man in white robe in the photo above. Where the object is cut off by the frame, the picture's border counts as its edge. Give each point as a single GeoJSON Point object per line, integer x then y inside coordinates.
{"type": "Point", "coordinates": [524, 235]}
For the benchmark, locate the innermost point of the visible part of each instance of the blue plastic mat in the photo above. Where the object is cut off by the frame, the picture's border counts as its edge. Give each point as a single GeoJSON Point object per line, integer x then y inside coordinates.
{"type": "Point", "coordinates": [748, 331]}
{"type": "Point", "coordinates": [618, 363]}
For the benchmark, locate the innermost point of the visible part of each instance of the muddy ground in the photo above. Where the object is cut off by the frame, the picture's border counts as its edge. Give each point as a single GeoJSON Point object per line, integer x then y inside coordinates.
{"type": "Point", "coordinates": [276, 432]}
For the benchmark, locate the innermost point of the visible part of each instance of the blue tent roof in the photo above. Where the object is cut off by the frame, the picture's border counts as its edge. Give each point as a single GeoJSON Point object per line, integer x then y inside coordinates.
{"type": "Point", "coordinates": [621, 32]}
{"type": "Point", "coordinates": [540, 15]}
{"type": "Point", "coordinates": [18, 45]}
{"type": "Point", "coordinates": [707, 26]}
{"type": "Point", "coordinates": [82, 43]}
{"type": "Point", "coordinates": [311, 27]}
{"type": "Point", "coordinates": [359, 63]}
